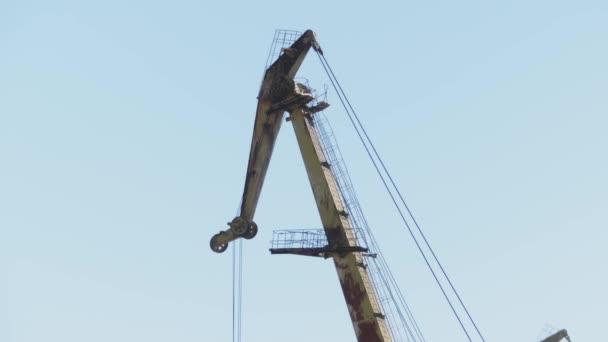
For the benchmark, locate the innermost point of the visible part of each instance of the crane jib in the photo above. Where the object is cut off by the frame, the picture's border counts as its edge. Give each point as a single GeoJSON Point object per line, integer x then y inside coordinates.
{"type": "Point", "coordinates": [278, 94]}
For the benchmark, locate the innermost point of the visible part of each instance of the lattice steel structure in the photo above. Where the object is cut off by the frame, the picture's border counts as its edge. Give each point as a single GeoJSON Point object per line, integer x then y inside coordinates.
{"type": "Point", "coordinates": [311, 242]}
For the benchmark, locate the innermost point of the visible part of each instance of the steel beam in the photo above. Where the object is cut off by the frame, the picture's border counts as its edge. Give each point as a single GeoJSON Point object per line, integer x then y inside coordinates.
{"type": "Point", "coordinates": [359, 293]}
{"type": "Point", "coordinates": [273, 98]}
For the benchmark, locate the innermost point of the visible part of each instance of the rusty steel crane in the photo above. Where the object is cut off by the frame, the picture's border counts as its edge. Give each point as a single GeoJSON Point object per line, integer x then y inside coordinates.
{"type": "Point", "coordinates": [280, 93]}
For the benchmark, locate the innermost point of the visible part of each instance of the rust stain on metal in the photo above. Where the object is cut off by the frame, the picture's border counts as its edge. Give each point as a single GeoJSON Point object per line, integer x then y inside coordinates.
{"type": "Point", "coordinates": [354, 295]}
{"type": "Point", "coordinates": [360, 298]}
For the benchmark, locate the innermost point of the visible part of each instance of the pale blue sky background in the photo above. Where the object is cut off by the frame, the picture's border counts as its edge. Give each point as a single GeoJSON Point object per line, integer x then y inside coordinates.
{"type": "Point", "coordinates": [125, 130]}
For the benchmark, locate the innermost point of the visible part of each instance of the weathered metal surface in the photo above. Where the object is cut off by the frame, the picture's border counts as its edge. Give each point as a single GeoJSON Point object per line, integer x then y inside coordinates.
{"type": "Point", "coordinates": [359, 293]}
{"type": "Point", "coordinates": [558, 336]}
{"type": "Point", "coordinates": [277, 86]}
{"type": "Point", "coordinates": [279, 93]}
{"type": "Point", "coordinates": [273, 98]}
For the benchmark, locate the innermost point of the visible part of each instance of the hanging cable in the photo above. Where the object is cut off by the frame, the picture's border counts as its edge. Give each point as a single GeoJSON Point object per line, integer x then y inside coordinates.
{"type": "Point", "coordinates": [233, 293]}
{"type": "Point", "coordinates": [237, 287]}
{"type": "Point", "coordinates": [405, 205]}
{"type": "Point", "coordinates": [403, 201]}
{"type": "Point", "coordinates": [386, 286]}
{"type": "Point", "coordinates": [240, 315]}
{"type": "Point", "coordinates": [359, 130]}
{"type": "Point", "coordinates": [237, 290]}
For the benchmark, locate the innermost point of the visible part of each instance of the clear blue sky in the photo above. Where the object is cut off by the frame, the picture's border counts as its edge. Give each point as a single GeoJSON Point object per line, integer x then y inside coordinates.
{"type": "Point", "coordinates": [125, 131]}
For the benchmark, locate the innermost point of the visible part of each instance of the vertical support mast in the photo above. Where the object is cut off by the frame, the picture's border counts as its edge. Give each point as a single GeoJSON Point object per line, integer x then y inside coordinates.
{"type": "Point", "coordinates": [359, 293]}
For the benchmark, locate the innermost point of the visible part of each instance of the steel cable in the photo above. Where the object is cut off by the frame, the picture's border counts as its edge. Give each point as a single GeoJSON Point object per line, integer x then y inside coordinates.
{"type": "Point", "coordinates": [405, 204]}
{"type": "Point", "coordinates": [403, 201]}
{"type": "Point", "coordinates": [237, 288]}
{"type": "Point", "coordinates": [341, 94]}
{"type": "Point", "coordinates": [379, 264]}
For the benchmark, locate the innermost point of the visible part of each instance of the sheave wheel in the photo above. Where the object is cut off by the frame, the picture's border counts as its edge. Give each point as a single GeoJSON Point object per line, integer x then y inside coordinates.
{"type": "Point", "coordinates": [215, 247]}
{"type": "Point", "coordinates": [238, 226]}
{"type": "Point", "coordinates": [252, 231]}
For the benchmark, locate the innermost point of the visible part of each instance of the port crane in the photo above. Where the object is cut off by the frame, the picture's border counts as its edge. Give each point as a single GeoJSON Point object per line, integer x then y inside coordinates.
{"type": "Point", "coordinates": [280, 94]}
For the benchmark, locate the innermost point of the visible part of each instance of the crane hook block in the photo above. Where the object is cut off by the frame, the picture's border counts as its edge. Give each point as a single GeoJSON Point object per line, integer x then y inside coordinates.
{"type": "Point", "coordinates": [239, 228]}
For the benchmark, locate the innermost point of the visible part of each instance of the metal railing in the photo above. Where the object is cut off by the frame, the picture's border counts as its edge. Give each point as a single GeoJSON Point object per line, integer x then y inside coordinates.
{"type": "Point", "coordinates": [307, 238]}
{"type": "Point", "coordinates": [281, 40]}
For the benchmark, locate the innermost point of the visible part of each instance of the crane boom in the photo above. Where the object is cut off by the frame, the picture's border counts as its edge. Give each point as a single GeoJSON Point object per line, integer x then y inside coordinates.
{"type": "Point", "coordinates": [273, 99]}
